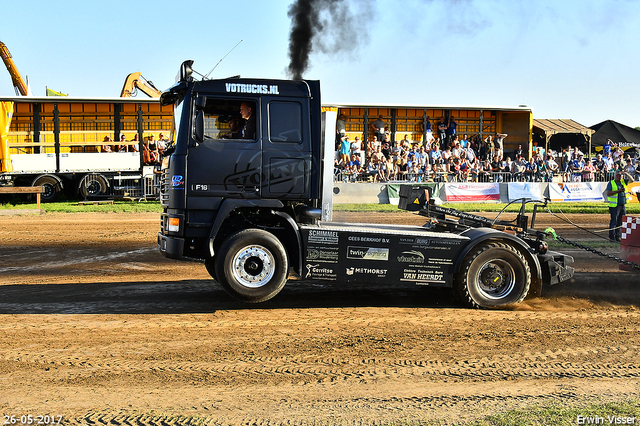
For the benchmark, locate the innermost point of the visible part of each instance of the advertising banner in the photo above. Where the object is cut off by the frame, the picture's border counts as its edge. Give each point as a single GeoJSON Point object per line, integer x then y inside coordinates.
{"type": "Point", "coordinates": [575, 191]}
{"type": "Point", "coordinates": [633, 192]}
{"type": "Point", "coordinates": [393, 190]}
{"type": "Point", "coordinates": [530, 190]}
{"type": "Point", "coordinates": [473, 191]}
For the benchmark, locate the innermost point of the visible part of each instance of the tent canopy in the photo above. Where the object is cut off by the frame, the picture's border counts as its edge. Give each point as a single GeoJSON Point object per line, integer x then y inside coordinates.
{"type": "Point", "coordinates": [560, 133]}
{"type": "Point", "coordinates": [621, 135]}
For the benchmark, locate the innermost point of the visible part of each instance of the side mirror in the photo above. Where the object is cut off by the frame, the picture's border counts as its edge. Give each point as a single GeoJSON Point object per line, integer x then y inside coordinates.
{"type": "Point", "coordinates": [199, 128]}
{"type": "Point", "coordinates": [186, 71]}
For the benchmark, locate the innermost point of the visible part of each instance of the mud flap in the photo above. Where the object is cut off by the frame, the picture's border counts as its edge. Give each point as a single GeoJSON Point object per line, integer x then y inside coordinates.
{"type": "Point", "coordinates": [555, 267]}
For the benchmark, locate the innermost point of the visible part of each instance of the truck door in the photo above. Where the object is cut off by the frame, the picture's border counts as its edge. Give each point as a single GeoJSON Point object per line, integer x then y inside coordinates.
{"type": "Point", "coordinates": [228, 163]}
{"type": "Point", "coordinates": [286, 148]}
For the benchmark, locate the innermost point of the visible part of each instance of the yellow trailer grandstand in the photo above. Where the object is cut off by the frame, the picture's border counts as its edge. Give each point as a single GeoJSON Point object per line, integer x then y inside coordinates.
{"type": "Point", "coordinates": [401, 120]}
{"type": "Point", "coordinates": [78, 146]}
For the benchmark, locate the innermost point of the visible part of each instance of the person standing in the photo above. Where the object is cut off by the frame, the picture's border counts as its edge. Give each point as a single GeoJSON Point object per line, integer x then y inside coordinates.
{"type": "Point", "coordinates": [606, 148]}
{"type": "Point", "coordinates": [428, 130]}
{"type": "Point", "coordinates": [452, 131]}
{"type": "Point", "coordinates": [345, 150]}
{"type": "Point", "coordinates": [617, 197]}
{"type": "Point", "coordinates": [341, 128]}
{"type": "Point", "coordinates": [378, 128]}
{"type": "Point", "coordinates": [442, 133]}
{"type": "Point", "coordinates": [356, 148]}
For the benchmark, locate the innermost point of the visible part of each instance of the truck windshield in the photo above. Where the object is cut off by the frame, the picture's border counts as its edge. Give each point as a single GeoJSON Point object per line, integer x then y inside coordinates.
{"type": "Point", "coordinates": [229, 119]}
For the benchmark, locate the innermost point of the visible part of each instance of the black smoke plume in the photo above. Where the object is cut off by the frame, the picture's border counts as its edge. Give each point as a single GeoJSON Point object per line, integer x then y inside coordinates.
{"type": "Point", "coordinates": [329, 26]}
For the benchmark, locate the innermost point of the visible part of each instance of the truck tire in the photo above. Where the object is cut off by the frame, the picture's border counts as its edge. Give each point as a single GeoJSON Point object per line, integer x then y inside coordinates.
{"type": "Point", "coordinates": [252, 265]}
{"type": "Point", "coordinates": [210, 266]}
{"type": "Point", "coordinates": [493, 275]}
{"type": "Point", "coordinates": [51, 188]}
{"type": "Point", "coordinates": [92, 186]}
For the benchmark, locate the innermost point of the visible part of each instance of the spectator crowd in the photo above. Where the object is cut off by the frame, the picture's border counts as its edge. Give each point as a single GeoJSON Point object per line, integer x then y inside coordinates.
{"type": "Point", "coordinates": [446, 156]}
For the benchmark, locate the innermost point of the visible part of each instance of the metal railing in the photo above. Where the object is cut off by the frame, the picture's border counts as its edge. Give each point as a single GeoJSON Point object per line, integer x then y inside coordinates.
{"type": "Point", "coordinates": [501, 177]}
{"type": "Point", "coordinates": [96, 186]}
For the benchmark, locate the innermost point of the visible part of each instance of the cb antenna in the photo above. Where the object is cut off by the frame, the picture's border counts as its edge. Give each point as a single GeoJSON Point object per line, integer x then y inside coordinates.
{"type": "Point", "coordinates": [205, 77]}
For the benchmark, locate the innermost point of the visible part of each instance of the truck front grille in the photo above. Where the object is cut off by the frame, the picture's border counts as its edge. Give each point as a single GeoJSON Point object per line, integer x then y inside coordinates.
{"type": "Point", "coordinates": [164, 188]}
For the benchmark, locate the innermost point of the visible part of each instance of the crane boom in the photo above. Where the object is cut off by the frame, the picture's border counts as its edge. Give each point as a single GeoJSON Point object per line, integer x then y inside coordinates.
{"type": "Point", "coordinates": [136, 81]}
{"type": "Point", "coordinates": [16, 78]}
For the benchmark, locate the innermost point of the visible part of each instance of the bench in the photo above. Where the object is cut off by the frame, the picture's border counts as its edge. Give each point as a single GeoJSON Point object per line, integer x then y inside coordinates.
{"type": "Point", "coordinates": [23, 190]}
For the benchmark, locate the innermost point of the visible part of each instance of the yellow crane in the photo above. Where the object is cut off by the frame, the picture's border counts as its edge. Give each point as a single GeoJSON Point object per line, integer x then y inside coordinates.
{"type": "Point", "coordinates": [135, 81]}
{"type": "Point", "coordinates": [18, 82]}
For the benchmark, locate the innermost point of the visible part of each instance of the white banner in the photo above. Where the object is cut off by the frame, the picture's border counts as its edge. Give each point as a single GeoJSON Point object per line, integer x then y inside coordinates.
{"type": "Point", "coordinates": [530, 190]}
{"type": "Point", "coordinates": [575, 191]}
{"type": "Point", "coordinates": [472, 191]}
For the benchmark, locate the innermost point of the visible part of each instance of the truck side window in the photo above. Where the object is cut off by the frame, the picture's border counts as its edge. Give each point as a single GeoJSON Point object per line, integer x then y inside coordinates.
{"type": "Point", "coordinates": [285, 122]}
{"type": "Point", "coordinates": [225, 119]}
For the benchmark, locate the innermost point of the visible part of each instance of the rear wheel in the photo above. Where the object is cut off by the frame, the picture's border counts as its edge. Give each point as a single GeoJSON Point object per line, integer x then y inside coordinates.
{"type": "Point", "coordinates": [252, 265]}
{"type": "Point", "coordinates": [92, 186]}
{"type": "Point", "coordinates": [494, 275]}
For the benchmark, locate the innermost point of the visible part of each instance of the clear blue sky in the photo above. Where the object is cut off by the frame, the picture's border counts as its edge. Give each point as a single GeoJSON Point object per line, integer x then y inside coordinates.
{"type": "Point", "coordinates": [565, 59]}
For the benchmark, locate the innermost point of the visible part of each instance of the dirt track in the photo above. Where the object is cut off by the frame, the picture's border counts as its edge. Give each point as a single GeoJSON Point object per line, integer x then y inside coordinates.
{"type": "Point", "coordinates": [97, 327]}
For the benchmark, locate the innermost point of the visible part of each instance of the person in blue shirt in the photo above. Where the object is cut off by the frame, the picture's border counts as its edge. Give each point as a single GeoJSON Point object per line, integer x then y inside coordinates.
{"type": "Point", "coordinates": [606, 148]}
{"type": "Point", "coordinates": [436, 155]}
{"type": "Point", "coordinates": [451, 131]}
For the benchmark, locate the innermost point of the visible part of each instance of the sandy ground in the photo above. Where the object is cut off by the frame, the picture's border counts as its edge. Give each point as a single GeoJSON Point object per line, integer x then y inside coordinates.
{"type": "Point", "coordinates": [97, 328]}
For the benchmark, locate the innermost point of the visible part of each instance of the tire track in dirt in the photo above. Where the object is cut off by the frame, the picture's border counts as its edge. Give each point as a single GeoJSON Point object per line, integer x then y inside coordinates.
{"type": "Point", "coordinates": [258, 318]}
{"type": "Point", "coordinates": [75, 260]}
{"type": "Point", "coordinates": [336, 411]}
{"type": "Point", "coordinates": [548, 364]}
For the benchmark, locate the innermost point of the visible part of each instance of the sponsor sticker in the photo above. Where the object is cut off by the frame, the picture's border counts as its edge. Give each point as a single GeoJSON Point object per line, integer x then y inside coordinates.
{"type": "Point", "coordinates": [367, 253]}
{"type": "Point", "coordinates": [412, 256]}
{"type": "Point", "coordinates": [381, 273]}
{"type": "Point", "coordinates": [422, 276]}
{"type": "Point", "coordinates": [320, 272]}
{"type": "Point", "coordinates": [326, 255]}
{"type": "Point", "coordinates": [318, 236]}
{"type": "Point", "coordinates": [177, 181]}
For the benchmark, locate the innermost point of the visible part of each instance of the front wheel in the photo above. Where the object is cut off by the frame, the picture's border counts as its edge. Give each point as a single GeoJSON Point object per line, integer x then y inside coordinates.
{"type": "Point", "coordinates": [252, 265]}
{"type": "Point", "coordinates": [493, 275]}
{"type": "Point", "coordinates": [51, 188]}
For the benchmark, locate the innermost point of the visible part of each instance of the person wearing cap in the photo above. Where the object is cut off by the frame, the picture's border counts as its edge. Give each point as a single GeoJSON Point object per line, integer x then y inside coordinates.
{"type": "Point", "coordinates": [236, 123]}
{"type": "Point", "coordinates": [616, 193]}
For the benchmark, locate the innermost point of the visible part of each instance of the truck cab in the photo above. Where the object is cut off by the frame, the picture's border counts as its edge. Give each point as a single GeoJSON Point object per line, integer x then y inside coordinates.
{"type": "Point", "coordinates": [221, 176]}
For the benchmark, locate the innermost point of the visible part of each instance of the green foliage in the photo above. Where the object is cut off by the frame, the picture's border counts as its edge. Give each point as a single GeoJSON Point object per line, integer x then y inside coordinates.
{"type": "Point", "coordinates": [154, 206]}
{"type": "Point", "coordinates": [555, 414]}
{"type": "Point", "coordinates": [76, 207]}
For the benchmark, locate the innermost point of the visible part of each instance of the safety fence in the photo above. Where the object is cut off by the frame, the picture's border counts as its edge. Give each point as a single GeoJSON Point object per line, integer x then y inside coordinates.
{"type": "Point", "coordinates": [473, 176]}
{"type": "Point", "coordinates": [96, 186]}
